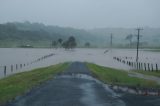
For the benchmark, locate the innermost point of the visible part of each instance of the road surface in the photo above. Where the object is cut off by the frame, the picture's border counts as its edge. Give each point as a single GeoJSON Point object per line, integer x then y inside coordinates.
{"type": "Point", "coordinates": [76, 87]}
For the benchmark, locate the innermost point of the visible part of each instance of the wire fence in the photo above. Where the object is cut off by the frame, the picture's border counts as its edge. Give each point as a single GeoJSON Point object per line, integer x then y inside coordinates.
{"type": "Point", "coordinates": [138, 65]}
{"type": "Point", "coordinates": [11, 69]}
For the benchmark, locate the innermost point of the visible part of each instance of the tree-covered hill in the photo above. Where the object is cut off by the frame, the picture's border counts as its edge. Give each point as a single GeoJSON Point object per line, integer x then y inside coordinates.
{"type": "Point", "coordinates": [16, 34]}
{"type": "Point", "coordinates": [39, 35]}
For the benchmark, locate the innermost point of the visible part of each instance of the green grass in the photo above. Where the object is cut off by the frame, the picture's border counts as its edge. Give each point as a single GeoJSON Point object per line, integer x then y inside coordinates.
{"type": "Point", "coordinates": [156, 74]}
{"type": "Point", "coordinates": [119, 77]}
{"type": "Point", "coordinates": [156, 50]}
{"type": "Point", "coordinates": [18, 84]}
{"type": "Point", "coordinates": [153, 50]}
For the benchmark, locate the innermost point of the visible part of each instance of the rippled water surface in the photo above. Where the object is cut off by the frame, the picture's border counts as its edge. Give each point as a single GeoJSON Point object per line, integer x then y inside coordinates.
{"type": "Point", "coordinates": [13, 56]}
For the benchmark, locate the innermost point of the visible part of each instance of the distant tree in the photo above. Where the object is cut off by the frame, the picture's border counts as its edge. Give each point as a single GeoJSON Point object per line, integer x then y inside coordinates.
{"type": "Point", "coordinates": [65, 45]}
{"type": "Point", "coordinates": [70, 43]}
{"type": "Point", "coordinates": [87, 44]}
{"type": "Point", "coordinates": [129, 38]}
{"type": "Point", "coordinates": [60, 41]}
{"type": "Point", "coordinates": [54, 44]}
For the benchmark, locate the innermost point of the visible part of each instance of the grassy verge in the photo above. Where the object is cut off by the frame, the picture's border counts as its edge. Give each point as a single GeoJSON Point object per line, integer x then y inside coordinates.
{"type": "Point", "coordinates": [153, 50]}
{"type": "Point", "coordinates": [156, 74]}
{"type": "Point", "coordinates": [119, 77]}
{"type": "Point", "coordinates": [18, 84]}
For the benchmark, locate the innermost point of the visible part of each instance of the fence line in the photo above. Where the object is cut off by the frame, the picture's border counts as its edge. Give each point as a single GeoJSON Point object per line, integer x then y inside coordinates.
{"type": "Point", "coordinates": [138, 65]}
{"type": "Point", "coordinates": [16, 67]}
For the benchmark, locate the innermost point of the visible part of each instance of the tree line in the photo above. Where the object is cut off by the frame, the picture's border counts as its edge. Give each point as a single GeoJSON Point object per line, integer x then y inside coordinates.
{"type": "Point", "coordinates": [70, 43]}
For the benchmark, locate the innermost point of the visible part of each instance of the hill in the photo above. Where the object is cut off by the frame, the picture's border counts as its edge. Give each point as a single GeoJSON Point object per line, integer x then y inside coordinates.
{"type": "Point", "coordinates": [150, 37]}
{"type": "Point", "coordinates": [39, 35]}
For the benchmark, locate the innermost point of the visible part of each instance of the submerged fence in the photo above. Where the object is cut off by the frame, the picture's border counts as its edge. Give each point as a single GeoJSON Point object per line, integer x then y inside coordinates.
{"type": "Point", "coordinates": [138, 65]}
{"type": "Point", "coordinates": [14, 67]}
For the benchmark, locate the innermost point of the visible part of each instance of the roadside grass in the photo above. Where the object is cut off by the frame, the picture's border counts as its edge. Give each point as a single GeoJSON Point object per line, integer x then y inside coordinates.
{"type": "Point", "coordinates": [119, 77]}
{"type": "Point", "coordinates": [156, 74]}
{"type": "Point", "coordinates": [155, 50]}
{"type": "Point", "coordinates": [18, 84]}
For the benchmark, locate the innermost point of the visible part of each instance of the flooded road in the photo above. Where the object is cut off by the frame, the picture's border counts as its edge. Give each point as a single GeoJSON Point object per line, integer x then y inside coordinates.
{"type": "Point", "coordinates": [76, 87]}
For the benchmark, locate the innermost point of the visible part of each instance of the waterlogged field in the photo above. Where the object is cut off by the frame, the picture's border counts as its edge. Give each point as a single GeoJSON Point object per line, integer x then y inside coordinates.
{"type": "Point", "coordinates": [13, 56]}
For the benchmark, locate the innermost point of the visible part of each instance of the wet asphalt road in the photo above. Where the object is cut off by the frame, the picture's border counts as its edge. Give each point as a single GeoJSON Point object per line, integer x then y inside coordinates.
{"type": "Point", "coordinates": [76, 87]}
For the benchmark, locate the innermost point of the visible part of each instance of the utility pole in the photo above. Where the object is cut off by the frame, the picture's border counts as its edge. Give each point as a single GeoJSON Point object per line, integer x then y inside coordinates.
{"type": "Point", "coordinates": [138, 29]}
{"type": "Point", "coordinates": [111, 41]}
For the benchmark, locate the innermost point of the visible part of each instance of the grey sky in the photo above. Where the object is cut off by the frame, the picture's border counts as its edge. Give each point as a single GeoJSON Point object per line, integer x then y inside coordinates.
{"type": "Point", "coordinates": [83, 13]}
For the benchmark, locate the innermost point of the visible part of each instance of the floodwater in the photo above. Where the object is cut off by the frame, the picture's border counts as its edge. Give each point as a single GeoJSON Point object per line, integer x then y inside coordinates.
{"type": "Point", "coordinates": [13, 56]}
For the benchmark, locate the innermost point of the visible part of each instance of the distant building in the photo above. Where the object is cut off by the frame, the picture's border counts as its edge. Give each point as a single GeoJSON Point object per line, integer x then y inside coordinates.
{"type": "Point", "coordinates": [26, 46]}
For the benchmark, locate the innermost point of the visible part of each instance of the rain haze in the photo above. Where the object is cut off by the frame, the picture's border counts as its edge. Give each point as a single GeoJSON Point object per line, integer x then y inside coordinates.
{"type": "Point", "coordinates": [79, 53]}
{"type": "Point", "coordinates": [83, 13]}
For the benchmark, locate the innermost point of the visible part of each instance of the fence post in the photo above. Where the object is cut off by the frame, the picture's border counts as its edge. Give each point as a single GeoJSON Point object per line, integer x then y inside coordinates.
{"type": "Point", "coordinates": [16, 66]}
{"type": "Point", "coordinates": [145, 66]}
{"type": "Point", "coordinates": [11, 68]}
{"type": "Point", "coordinates": [148, 67]}
{"type": "Point", "coordinates": [142, 66]}
{"type": "Point", "coordinates": [156, 67]}
{"type": "Point", "coordinates": [5, 70]}
{"type": "Point", "coordinates": [129, 63]}
{"type": "Point", "coordinates": [152, 67]}
{"type": "Point", "coordinates": [20, 65]}
{"type": "Point", "coordinates": [139, 65]}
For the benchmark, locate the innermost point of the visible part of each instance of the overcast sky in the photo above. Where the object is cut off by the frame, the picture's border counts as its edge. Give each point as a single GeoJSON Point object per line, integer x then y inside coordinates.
{"type": "Point", "coordinates": [83, 13]}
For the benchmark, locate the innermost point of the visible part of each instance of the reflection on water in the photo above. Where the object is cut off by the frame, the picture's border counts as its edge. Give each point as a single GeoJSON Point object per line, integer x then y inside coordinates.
{"type": "Point", "coordinates": [90, 86]}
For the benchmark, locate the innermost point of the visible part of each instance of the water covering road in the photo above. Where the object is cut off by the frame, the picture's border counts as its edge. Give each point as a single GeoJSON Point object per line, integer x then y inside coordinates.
{"type": "Point", "coordinates": [76, 87]}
